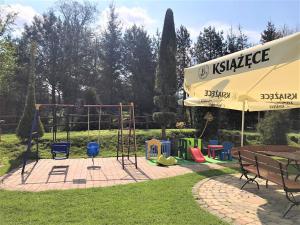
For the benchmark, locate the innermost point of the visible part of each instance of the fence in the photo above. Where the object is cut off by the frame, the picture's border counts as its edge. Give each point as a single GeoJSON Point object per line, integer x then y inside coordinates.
{"type": "Point", "coordinates": [77, 122]}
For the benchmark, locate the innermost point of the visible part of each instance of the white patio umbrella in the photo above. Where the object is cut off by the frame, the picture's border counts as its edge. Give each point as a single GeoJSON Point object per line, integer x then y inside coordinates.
{"type": "Point", "coordinates": [264, 77]}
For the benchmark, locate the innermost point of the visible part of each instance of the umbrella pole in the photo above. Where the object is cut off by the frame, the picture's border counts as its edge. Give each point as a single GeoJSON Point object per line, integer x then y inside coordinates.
{"type": "Point", "coordinates": [243, 121]}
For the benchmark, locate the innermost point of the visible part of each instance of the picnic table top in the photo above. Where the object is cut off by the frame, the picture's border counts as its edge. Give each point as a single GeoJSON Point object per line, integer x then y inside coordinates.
{"type": "Point", "coordinates": [288, 155]}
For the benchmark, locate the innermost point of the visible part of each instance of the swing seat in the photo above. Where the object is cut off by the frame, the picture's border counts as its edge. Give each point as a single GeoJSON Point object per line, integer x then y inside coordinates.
{"type": "Point", "coordinates": [93, 149]}
{"type": "Point", "coordinates": [60, 148]}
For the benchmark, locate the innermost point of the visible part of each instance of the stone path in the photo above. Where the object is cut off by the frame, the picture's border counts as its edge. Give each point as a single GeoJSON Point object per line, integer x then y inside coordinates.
{"type": "Point", "coordinates": [50, 174]}
{"type": "Point", "coordinates": [222, 196]}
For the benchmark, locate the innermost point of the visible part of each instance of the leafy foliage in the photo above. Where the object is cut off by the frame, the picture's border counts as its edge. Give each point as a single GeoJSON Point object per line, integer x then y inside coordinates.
{"type": "Point", "coordinates": [165, 84]}
{"type": "Point", "coordinates": [270, 33]}
{"type": "Point", "coordinates": [274, 127]}
{"type": "Point", "coordinates": [24, 127]}
{"type": "Point", "coordinates": [7, 66]}
{"type": "Point", "coordinates": [110, 56]}
{"type": "Point", "coordinates": [183, 56]}
{"type": "Point", "coordinates": [209, 46]}
{"type": "Point", "coordinates": [236, 42]}
{"type": "Point", "coordinates": [139, 68]}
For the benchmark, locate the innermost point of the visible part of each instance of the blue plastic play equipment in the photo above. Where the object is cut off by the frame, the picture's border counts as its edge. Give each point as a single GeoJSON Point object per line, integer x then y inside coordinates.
{"type": "Point", "coordinates": [226, 152]}
{"type": "Point", "coordinates": [93, 149]}
{"type": "Point", "coordinates": [60, 148]}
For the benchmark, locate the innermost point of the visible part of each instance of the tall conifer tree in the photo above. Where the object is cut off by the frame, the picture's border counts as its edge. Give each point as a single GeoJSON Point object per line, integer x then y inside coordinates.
{"type": "Point", "coordinates": [110, 56]}
{"type": "Point", "coordinates": [270, 33]}
{"type": "Point", "coordinates": [183, 58]}
{"type": "Point", "coordinates": [139, 68]}
{"type": "Point", "coordinates": [273, 119]}
{"type": "Point", "coordinates": [209, 46]}
{"type": "Point", "coordinates": [166, 82]}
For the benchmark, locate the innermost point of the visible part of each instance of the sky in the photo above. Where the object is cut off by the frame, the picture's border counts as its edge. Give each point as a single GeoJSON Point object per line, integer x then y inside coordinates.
{"type": "Point", "coordinates": [193, 14]}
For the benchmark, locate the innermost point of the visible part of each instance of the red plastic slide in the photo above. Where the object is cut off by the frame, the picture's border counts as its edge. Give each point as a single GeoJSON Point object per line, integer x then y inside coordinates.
{"type": "Point", "coordinates": [197, 155]}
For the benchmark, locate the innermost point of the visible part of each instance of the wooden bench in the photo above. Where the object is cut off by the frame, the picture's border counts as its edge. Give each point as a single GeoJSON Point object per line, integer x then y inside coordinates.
{"type": "Point", "coordinates": [269, 169]}
{"type": "Point", "coordinates": [264, 148]}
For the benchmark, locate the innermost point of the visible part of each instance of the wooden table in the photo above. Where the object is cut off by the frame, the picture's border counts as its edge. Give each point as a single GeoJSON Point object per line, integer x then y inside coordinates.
{"type": "Point", "coordinates": [213, 148]}
{"type": "Point", "coordinates": [292, 157]}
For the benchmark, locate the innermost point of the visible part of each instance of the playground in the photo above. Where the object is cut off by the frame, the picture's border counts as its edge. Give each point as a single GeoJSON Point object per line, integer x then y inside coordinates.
{"type": "Point", "coordinates": [48, 174]}
{"type": "Point", "coordinates": [105, 121]}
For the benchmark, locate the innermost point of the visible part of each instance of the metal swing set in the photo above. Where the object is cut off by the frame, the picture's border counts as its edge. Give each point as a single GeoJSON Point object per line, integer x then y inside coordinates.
{"type": "Point", "coordinates": [126, 145]}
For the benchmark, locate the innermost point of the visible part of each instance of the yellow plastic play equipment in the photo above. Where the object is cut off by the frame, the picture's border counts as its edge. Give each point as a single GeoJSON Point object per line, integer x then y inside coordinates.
{"type": "Point", "coordinates": [161, 160]}
{"type": "Point", "coordinates": [153, 149]}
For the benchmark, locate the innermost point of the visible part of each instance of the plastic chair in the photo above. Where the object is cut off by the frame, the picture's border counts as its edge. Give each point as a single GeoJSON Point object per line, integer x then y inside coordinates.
{"type": "Point", "coordinates": [213, 142]}
{"type": "Point", "coordinates": [227, 146]}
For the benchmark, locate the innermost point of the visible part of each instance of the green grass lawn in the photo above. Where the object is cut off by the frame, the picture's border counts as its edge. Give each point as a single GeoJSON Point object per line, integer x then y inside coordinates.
{"type": "Point", "coordinates": [165, 201]}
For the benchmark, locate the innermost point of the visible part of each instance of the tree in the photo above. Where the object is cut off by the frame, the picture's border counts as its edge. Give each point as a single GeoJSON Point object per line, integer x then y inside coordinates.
{"type": "Point", "coordinates": [6, 22]}
{"type": "Point", "coordinates": [236, 42]}
{"type": "Point", "coordinates": [24, 126]}
{"type": "Point", "coordinates": [139, 68]}
{"type": "Point", "coordinates": [7, 59]}
{"type": "Point", "coordinates": [183, 59]}
{"type": "Point", "coordinates": [7, 66]}
{"type": "Point", "coordinates": [46, 31]}
{"type": "Point", "coordinates": [156, 39]}
{"type": "Point", "coordinates": [209, 46]}
{"type": "Point", "coordinates": [90, 98]}
{"type": "Point", "coordinates": [274, 127]}
{"type": "Point", "coordinates": [110, 57]}
{"type": "Point", "coordinates": [78, 48]}
{"type": "Point", "coordinates": [183, 56]}
{"type": "Point", "coordinates": [166, 82]}
{"type": "Point", "coordinates": [270, 33]}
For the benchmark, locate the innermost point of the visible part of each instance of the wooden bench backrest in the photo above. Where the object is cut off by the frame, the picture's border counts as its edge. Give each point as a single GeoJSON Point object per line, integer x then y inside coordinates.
{"type": "Point", "coordinates": [267, 163]}
{"type": "Point", "coordinates": [247, 157]}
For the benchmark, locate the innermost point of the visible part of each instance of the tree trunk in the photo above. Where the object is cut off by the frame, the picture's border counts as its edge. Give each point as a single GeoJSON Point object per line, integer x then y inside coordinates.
{"type": "Point", "coordinates": [191, 117]}
{"type": "Point", "coordinates": [163, 133]}
{"type": "Point", "coordinates": [53, 100]}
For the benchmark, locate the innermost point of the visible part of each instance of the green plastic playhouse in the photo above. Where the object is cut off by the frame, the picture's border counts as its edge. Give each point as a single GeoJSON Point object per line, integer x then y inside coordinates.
{"type": "Point", "coordinates": [184, 144]}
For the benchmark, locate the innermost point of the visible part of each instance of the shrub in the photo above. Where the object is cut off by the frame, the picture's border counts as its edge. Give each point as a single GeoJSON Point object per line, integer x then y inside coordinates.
{"type": "Point", "coordinates": [274, 127]}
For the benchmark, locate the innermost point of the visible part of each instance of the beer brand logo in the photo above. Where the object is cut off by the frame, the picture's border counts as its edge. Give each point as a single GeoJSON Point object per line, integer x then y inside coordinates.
{"type": "Point", "coordinates": [242, 61]}
{"type": "Point", "coordinates": [203, 71]}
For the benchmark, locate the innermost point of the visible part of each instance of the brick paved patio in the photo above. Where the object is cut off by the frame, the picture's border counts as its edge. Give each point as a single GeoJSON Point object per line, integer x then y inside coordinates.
{"type": "Point", "coordinates": [50, 174]}
{"type": "Point", "coordinates": [222, 196]}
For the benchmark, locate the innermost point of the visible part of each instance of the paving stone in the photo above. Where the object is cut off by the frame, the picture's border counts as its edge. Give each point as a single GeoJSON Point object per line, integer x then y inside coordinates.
{"type": "Point", "coordinates": [110, 173]}
{"type": "Point", "coordinates": [248, 206]}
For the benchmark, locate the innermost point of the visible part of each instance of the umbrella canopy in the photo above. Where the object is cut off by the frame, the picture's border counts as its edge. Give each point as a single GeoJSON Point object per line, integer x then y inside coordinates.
{"type": "Point", "coordinates": [263, 77]}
